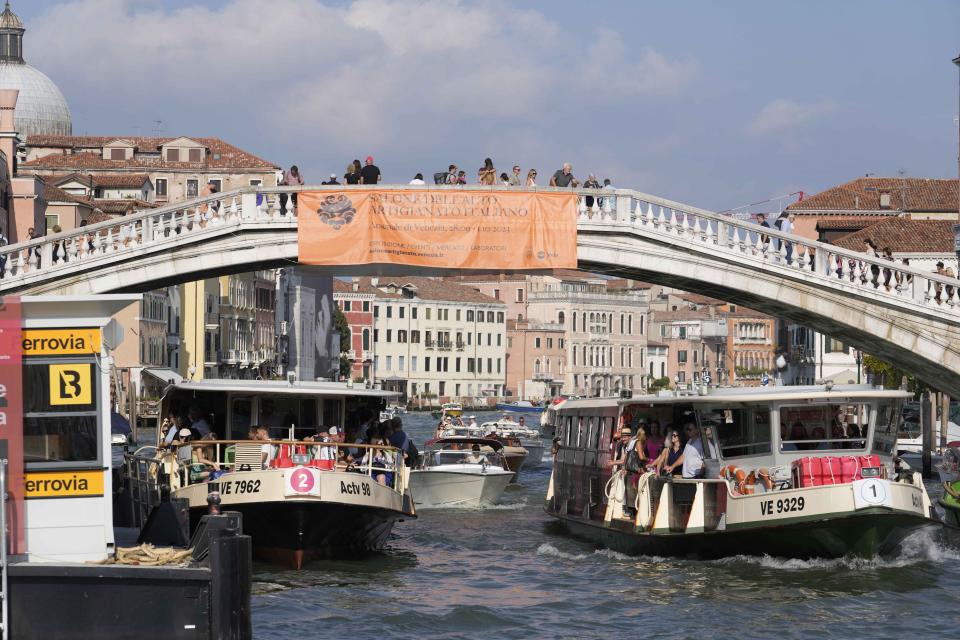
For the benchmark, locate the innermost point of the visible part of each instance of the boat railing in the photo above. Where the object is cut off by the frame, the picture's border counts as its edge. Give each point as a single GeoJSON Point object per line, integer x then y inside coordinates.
{"type": "Point", "coordinates": [210, 459]}
{"type": "Point", "coordinates": [146, 478]}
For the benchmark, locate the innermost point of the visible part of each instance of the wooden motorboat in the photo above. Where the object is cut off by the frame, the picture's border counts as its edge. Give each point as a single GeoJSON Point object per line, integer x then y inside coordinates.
{"type": "Point", "coordinates": [460, 471]}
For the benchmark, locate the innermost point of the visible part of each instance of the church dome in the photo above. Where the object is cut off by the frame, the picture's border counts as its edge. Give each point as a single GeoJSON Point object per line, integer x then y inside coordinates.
{"type": "Point", "coordinates": [41, 108]}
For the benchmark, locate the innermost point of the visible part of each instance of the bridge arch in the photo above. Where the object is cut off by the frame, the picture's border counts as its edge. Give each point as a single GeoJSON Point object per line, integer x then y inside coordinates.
{"type": "Point", "coordinates": [915, 325]}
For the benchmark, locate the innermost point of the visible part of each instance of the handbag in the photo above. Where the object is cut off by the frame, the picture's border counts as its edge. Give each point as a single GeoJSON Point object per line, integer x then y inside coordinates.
{"type": "Point", "coordinates": [633, 463]}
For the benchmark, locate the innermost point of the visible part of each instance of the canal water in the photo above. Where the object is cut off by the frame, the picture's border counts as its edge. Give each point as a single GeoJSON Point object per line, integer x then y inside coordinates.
{"type": "Point", "coordinates": [507, 572]}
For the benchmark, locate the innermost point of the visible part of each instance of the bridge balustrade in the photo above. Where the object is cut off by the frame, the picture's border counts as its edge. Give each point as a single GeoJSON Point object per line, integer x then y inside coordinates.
{"type": "Point", "coordinates": [43, 260]}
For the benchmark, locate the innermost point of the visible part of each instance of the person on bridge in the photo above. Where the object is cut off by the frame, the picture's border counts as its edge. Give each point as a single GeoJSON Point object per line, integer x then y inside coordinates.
{"type": "Point", "coordinates": [564, 177]}
{"type": "Point", "coordinates": [762, 221]}
{"type": "Point", "coordinates": [291, 178]}
{"type": "Point", "coordinates": [590, 183]}
{"type": "Point", "coordinates": [531, 178]}
{"type": "Point", "coordinates": [515, 176]}
{"type": "Point", "coordinates": [487, 174]}
{"type": "Point", "coordinates": [370, 174]}
{"type": "Point", "coordinates": [352, 174]}
{"type": "Point", "coordinates": [418, 179]}
{"type": "Point", "coordinates": [332, 180]}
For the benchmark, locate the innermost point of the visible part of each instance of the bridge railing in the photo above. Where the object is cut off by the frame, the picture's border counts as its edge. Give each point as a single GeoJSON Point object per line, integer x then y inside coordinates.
{"type": "Point", "coordinates": [744, 241]}
{"type": "Point", "coordinates": [655, 218]}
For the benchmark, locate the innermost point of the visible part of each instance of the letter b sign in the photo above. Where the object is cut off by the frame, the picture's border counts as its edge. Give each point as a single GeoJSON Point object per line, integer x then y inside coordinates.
{"type": "Point", "coordinates": [71, 384]}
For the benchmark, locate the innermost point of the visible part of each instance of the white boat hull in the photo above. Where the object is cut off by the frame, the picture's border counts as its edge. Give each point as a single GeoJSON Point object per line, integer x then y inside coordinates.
{"type": "Point", "coordinates": [439, 488]}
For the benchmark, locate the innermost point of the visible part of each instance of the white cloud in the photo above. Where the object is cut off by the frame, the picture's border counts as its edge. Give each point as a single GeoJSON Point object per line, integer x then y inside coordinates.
{"type": "Point", "coordinates": [609, 64]}
{"type": "Point", "coordinates": [785, 115]}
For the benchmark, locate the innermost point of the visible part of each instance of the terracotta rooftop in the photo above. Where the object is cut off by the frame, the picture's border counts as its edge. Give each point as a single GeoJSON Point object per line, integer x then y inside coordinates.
{"type": "Point", "coordinates": [904, 235]}
{"type": "Point", "coordinates": [121, 206]}
{"type": "Point", "coordinates": [55, 194]}
{"type": "Point", "coordinates": [98, 216]}
{"type": "Point", "coordinates": [130, 180]}
{"type": "Point", "coordinates": [906, 194]}
{"type": "Point", "coordinates": [432, 289]}
{"type": "Point", "coordinates": [87, 154]}
{"type": "Point", "coordinates": [681, 314]}
{"type": "Point", "coordinates": [849, 223]}
{"type": "Point", "coordinates": [346, 286]}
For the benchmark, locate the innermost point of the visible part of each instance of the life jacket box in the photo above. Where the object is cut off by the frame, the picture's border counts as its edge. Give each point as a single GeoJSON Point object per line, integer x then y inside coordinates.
{"type": "Point", "coordinates": [830, 470]}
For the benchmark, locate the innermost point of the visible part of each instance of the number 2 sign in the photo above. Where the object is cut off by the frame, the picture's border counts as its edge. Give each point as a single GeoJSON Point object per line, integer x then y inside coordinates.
{"type": "Point", "coordinates": [302, 481]}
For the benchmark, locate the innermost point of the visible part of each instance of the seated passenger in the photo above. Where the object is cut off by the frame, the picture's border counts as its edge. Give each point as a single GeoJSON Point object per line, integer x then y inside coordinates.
{"type": "Point", "coordinates": [184, 450]}
{"type": "Point", "coordinates": [799, 432]}
{"type": "Point", "coordinates": [692, 458]}
{"type": "Point", "coordinates": [204, 461]}
{"type": "Point", "coordinates": [380, 462]}
{"type": "Point", "coordinates": [474, 457]}
{"type": "Point", "coordinates": [672, 461]}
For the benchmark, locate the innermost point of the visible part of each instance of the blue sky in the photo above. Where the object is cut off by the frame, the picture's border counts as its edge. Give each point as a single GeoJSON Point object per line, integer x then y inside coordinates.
{"type": "Point", "coordinates": [713, 104]}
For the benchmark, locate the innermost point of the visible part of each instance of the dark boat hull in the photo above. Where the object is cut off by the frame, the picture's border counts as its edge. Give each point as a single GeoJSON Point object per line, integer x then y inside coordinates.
{"type": "Point", "coordinates": [294, 533]}
{"type": "Point", "coordinates": [867, 533]}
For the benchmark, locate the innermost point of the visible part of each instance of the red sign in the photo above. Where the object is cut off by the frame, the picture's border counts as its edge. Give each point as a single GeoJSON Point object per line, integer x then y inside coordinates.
{"type": "Point", "coordinates": [11, 416]}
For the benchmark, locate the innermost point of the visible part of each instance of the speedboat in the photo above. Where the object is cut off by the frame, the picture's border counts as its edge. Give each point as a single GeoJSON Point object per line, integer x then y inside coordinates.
{"type": "Point", "coordinates": [299, 499]}
{"type": "Point", "coordinates": [397, 409]}
{"type": "Point", "coordinates": [527, 438]}
{"type": "Point", "coordinates": [798, 472]}
{"type": "Point", "coordinates": [519, 406]}
{"type": "Point", "coordinates": [514, 453]}
{"type": "Point", "coordinates": [460, 471]}
{"type": "Point", "coordinates": [452, 409]}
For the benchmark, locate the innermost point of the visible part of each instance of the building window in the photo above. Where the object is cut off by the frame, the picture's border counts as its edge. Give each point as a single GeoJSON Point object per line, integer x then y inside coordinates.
{"type": "Point", "coordinates": [194, 155]}
{"type": "Point", "coordinates": [469, 316]}
{"type": "Point", "coordinates": [366, 306]}
{"type": "Point", "coordinates": [346, 305]}
{"type": "Point", "coordinates": [428, 313]}
{"type": "Point", "coordinates": [173, 155]}
{"type": "Point", "coordinates": [500, 317]}
{"type": "Point", "coordinates": [413, 313]}
{"type": "Point", "coordinates": [415, 337]}
{"type": "Point", "coordinates": [389, 311]}
{"type": "Point", "coordinates": [255, 182]}
{"type": "Point", "coordinates": [490, 317]}
{"type": "Point", "coordinates": [832, 345]}
{"type": "Point", "coordinates": [499, 339]}
{"type": "Point", "coordinates": [400, 363]}
{"type": "Point", "coordinates": [413, 363]}
{"type": "Point", "coordinates": [536, 343]}
{"type": "Point", "coordinates": [160, 187]}
{"type": "Point", "coordinates": [641, 325]}
{"type": "Point", "coordinates": [519, 295]}
{"type": "Point", "coordinates": [389, 363]}
{"type": "Point", "coordinates": [496, 294]}
{"type": "Point", "coordinates": [376, 311]}
{"type": "Point", "coordinates": [217, 183]}
{"type": "Point", "coordinates": [193, 188]}
{"type": "Point", "coordinates": [426, 363]}
{"type": "Point", "coordinates": [401, 335]}
{"type": "Point", "coordinates": [456, 365]}
{"type": "Point", "coordinates": [682, 357]}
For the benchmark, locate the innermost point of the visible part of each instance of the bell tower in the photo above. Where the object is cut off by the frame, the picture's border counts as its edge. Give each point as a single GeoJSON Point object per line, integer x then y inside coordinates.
{"type": "Point", "coordinates": [11, 36]}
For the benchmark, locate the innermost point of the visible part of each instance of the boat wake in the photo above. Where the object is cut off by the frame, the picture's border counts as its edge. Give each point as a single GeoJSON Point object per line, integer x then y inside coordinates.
{"type": "Point", "coordinates": [547, 549]}
{"type": "Point", "coordinates": [920, 547]}
{"type": "Point", "coordinates": [507, 506]}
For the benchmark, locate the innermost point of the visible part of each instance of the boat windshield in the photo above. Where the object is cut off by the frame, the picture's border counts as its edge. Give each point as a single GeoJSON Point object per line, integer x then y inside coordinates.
{"type": "Point", "coordinates": [453, 453]}
{"type": "Point", "coordinates": [885, 427]}
{"type": "Point", "coordinates": [824, 427]}
{"type": "Point", "coordinates": [738, 431]}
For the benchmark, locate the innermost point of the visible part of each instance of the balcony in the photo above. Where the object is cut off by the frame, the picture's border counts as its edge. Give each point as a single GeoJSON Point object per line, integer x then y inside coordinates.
{"type": "Point", "coordinates": [429, 344]}
{"type": "Point", "coordinates": [543, 376]}
{"type": "Point", "coordinates": [802, 355]}
{"type": "Point", "coordinates": [444, 345]}
{"type": "Point", "coordinates": [461, 345]}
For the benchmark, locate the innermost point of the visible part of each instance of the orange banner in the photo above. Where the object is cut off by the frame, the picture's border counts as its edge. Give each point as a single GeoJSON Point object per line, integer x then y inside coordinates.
{"type": "Point", "coordinates": [443, 228]}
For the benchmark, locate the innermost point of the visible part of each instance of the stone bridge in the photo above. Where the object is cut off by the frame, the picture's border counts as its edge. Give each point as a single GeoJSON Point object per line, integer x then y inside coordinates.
{"type": "Point", "coordinates": [913, 323]}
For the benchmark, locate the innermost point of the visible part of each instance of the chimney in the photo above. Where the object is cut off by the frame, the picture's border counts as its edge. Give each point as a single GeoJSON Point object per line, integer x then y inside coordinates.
{"type": "Point", "coordinates": [884, 200]}
{"type": "Point", "coordinates": [374, 282]}
{"type": "Point", "coordinates": [8, 133]}
{"type": "Point", "coordinates": [355, 283]}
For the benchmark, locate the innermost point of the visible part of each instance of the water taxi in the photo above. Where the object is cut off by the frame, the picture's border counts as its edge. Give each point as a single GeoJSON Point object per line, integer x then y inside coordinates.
{"type": "Point", "coordinates": [460, 471]}
{"type": "Point", "coordinates": [514, 453]}
{"type": "Point", "coordinates": [303, 491]}
{"type": "Point", "coordinates": [785, 471]}
{"type": "Point", "coordinates": [519, 406]}
{"type": "Point", "coordinates": [527, 437]}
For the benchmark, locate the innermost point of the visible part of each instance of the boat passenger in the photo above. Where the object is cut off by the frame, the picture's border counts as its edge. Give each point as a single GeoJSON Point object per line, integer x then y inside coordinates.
{"type": "Point", "coordinates": [380, 461]}
{"type": "Point", "coordinates": [674, 455]}
{"type": "Point", "coordinates": [472, 422]}
{"type": "Point", "coordinates": [636, 465]}
{"type": "Point", "coordinates": [266, 449]}
{"type": "Point", "coordinates": [522, 422]}
{"type": "Point", "coordinates": [619, 445]}
{"type": "Point", "coordinates": [204, 461]}
{"type": "Point", "coordinates": [474, 457]}
{"type": "Point", "coordinates": [711, 446]}
{"type": "Point", "coordinates": [184, 436]}
{"type": "Point", "coordinates": [170, 428]}
{"type": "Point", "coordinates": [197, 422]}
{"type": "Point", "coordinates": [655, 443]}
{"type": "Point", "coordinates": [691, 461]}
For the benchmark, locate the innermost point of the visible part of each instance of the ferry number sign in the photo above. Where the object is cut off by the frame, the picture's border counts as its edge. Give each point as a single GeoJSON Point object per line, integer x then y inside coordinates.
{"type": "Point", "coordinates": [871, 492]}
{"type": "Point", "coordinates": [302, 481]}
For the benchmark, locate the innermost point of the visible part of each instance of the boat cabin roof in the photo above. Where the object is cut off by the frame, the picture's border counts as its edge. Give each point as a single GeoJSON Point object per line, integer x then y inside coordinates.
{"type": "Point", "coordinates": [732, 395]}
{"type": "Point", "coordinates": [483, 442]}
{"type": "Point", "coordinates": [280, 387]}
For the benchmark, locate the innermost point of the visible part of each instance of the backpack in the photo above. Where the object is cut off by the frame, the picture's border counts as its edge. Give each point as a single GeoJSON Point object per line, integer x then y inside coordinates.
{"type": "Point", "coordinates": [633, 463]}
{"type": "Point", "coordinates": [440, 177]}
{"type": "Point", "coordinates": [779, 223]}
{"type": "Point", "coordinates": [413, 454]}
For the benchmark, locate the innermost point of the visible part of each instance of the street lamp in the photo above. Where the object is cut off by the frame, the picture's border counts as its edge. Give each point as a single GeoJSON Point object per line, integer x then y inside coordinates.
{"type": "Point", "coordinates": [858, 356]}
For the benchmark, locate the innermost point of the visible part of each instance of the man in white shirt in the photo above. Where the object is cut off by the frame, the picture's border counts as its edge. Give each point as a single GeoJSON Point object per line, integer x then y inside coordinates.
{"type": "Point", "coordinates": [197, 421]}
{"type": "Point", "coordinates": [693, 466]}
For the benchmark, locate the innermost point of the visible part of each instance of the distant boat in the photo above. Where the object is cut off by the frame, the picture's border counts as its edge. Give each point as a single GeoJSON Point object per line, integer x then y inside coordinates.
{"type": "Point", "coordinates": [519, 406]}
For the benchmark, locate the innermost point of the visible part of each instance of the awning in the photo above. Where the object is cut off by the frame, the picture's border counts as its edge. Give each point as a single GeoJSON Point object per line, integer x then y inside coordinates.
{"type": "Point", "coordinates": [167, 376]}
